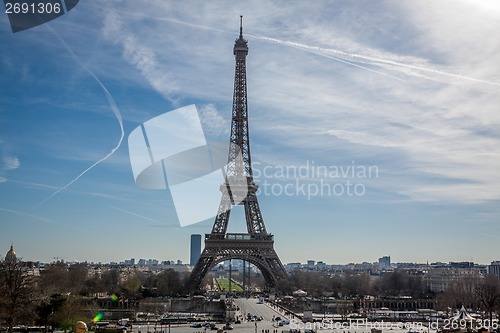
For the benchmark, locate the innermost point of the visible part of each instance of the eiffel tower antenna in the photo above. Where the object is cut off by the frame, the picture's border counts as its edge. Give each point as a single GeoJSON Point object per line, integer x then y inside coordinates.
{"type": "Point", "coordinates": [241, 26]}
{"type": "Point", "coordinates": [257, 245]}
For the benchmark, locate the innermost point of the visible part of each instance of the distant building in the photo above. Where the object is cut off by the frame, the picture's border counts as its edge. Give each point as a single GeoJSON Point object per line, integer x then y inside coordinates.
{"type": "Point", "coordinates": [363, 267]}
{"type": "Point", "coordinates": [129, 262]}
{"type": "Point", "coordinates": [440, 278]}
{"type": "Point", "coordinates": [195, 249]}
{"type": "Point", "coordinates": [494, 268]}
{"type": "Point", "coordinates": [292, 266]}
{"type": "Point", "coordinates": [384, 262]}
{"type": "Point", "coordinates": [11, 255]}
{"type": "Point", "coordinates": [310, 264]}
{"type": "Point", "coordinates": [462, 264]}
{"type": "Point", "coordinates": [152, 262]}
{"type": "Point", "coordinates": [320, 265]}
{"type": "Point", "coordinates": [142, 262]}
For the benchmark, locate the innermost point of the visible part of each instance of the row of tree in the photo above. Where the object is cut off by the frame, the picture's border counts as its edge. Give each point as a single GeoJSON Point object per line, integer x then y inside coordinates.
{"type": "Point", "coordinates": [62, 294]}
{"type": "Point", "coordinates": [351, 285]}
{"type": "Point", "coordinates": [474, 292]}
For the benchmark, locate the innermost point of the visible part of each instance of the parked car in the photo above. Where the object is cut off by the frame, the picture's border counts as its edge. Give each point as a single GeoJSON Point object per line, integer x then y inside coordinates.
{"type": "Point", "coordinates": [284, 322]}
{"type": "Point", "coordinates": [196, 325]}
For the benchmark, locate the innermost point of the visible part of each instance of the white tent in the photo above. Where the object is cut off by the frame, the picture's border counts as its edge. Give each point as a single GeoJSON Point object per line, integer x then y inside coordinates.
{"type": "Point", "coordinates": [462, 315]}
{"type": "Point", "coordinates": [299, 293]}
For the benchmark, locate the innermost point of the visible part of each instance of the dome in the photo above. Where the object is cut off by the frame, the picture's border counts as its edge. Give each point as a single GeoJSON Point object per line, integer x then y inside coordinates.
{"type": "Point", "coordinates": [11, 255]}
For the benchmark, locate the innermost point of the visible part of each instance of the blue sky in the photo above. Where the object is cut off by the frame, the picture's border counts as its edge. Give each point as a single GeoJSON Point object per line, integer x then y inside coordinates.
{"type": "Point", "coordinates": [410, 89]}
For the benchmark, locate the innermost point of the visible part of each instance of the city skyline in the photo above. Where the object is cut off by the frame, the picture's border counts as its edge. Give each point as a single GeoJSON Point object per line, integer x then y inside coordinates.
{"type": "Point", "coordinates": [384, 262]}
{"type": "Point", "coordinates": [371, 134]}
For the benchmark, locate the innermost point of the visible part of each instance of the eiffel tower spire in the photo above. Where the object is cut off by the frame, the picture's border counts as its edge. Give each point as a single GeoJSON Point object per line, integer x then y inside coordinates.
{"type": "Point", "coordinates": [239, 188]}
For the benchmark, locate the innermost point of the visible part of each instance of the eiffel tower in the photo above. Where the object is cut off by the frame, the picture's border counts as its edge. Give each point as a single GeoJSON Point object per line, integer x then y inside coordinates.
{"type": "Point", "coordinates": [256, 246]}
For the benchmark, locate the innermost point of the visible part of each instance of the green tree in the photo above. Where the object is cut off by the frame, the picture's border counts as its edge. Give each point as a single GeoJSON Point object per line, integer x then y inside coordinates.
{"type": "Point", "coordinates": [68, 310]}
{"type": "Point", "coordinates": [133, 284]}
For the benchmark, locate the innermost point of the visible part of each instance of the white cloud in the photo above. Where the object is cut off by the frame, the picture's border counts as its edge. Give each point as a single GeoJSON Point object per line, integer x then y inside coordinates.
{"type": "Point", "coordinates": [10, 163]}
{"type": "Point", "coordinates": [424, 102]}
{"type": "Point", "coordinates": [139, 55]}
{"type": "Point", "coordinates": [213, 123]}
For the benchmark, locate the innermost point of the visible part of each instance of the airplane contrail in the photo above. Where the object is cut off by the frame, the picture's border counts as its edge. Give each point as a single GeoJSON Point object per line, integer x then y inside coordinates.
{"type": "Point", "coordinates": [39, 218]}
{"type": "Point", "coordinates": [352, 64]}
{"type": "Point", "coordinates": [366, 59]}
{"type": "Point", "coordinates": [358, 57]}
{"type": "Point", "coordinates": [138, 215]}
{"type": "Point", "coordinates": [113, 107]}
{"type": "Point", "coordinates": [157, 224]}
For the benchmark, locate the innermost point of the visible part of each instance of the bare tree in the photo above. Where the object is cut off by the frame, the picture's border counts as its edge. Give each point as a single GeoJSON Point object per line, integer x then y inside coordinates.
{"type": "Point", "coordinates": [77, 275]}
{"type": "Point", "coordinates": [354, 285]}
{"type": "Point", "coordinates": [168, 283]}
{"type": "Point", "coordinates": [54, 279]}
{"type": "Point", "coordinates": [488, 293]}
{"type": "Point", "coordinates": [16, 293]}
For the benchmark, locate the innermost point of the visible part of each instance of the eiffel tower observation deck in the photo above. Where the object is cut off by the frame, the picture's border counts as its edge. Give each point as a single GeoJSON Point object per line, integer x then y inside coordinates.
{"type": "Point", "coordinates": [257, 245]}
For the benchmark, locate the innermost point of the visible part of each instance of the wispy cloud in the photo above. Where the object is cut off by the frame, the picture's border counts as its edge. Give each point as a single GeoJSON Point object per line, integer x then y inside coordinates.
{"type": "Point", "coordinates": [139, 55]}
{"type": "Point", "coordinates": [10, 162]}
{"type": "Point", "coordinates": [342, 92]}
{"type": "Point", "coordinates": [213, 123]}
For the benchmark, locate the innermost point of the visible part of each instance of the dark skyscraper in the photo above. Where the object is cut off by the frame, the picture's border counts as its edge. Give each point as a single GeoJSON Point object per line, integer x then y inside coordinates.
{"type": "Point", "coordinates": [195, 249]}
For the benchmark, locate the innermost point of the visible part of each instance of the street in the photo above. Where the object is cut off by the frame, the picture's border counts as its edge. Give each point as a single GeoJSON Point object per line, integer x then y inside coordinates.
{"type": "Point", "coordinates": [266, 325]}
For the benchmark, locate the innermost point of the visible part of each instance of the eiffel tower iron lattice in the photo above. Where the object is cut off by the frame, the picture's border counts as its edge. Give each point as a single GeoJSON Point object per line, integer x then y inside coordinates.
{"type": "Point", "coordinates": [256, 246]}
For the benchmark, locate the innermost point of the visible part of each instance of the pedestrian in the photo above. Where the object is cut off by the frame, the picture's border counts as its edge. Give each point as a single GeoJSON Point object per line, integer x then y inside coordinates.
{"type": "Point", "coordinates": [80, 327]}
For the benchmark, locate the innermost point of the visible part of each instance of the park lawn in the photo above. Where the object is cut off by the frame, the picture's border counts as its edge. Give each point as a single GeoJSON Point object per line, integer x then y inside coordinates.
{"type": "Point", "coordinates": [224, 285]}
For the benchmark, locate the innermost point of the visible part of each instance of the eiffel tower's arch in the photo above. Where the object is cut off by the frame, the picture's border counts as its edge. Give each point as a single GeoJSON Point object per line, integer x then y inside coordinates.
{"type": "Point", "coordinates": [256, 250]}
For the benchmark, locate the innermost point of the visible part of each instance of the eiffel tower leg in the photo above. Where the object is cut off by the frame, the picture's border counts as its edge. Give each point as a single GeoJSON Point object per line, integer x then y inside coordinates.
{"type": "Point", "coordinates": [204, 264]}
{"type": "Point", "coordinates": [257, 250]}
